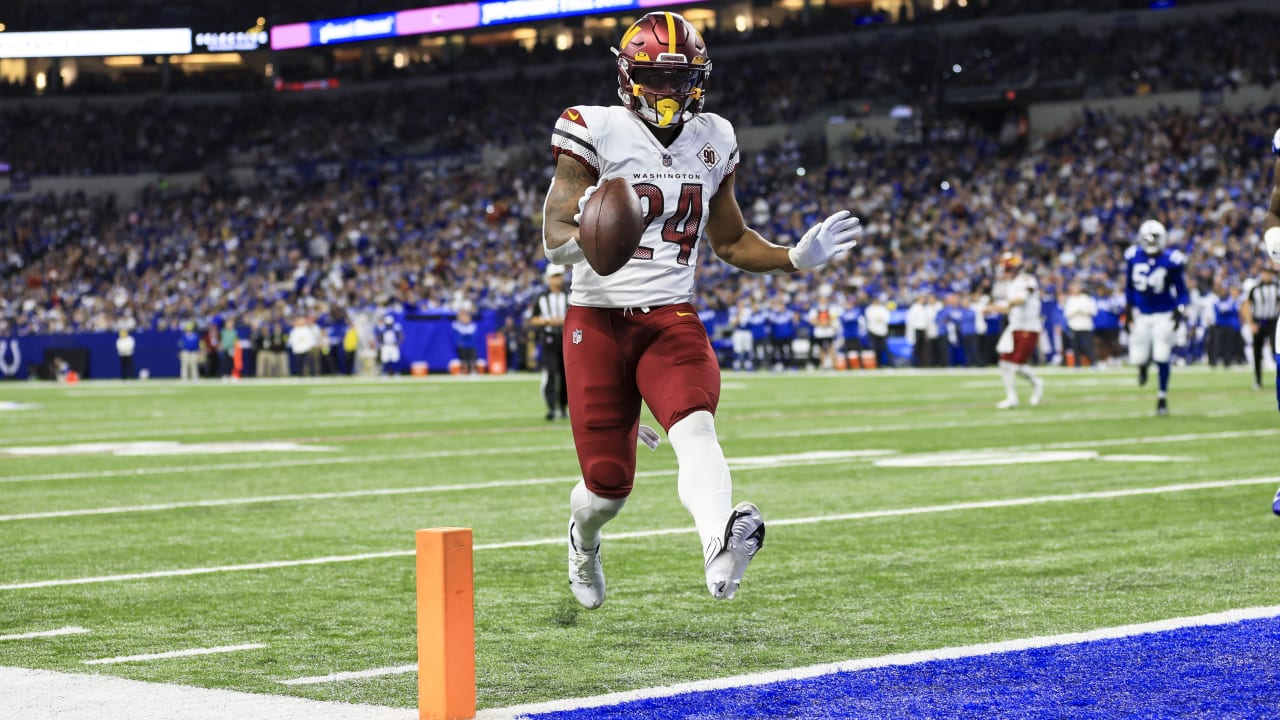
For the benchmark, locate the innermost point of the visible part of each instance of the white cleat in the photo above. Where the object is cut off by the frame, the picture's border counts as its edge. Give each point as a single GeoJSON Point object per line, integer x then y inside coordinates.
{"type": "Point", "coordinates": [1007, 404]}
{"type": "Point", "coordinates": [586, 574]}
{"type": "Point", "coordinates": [743, 538]}
{"type": "Point", "coordinates": [1038, 392]}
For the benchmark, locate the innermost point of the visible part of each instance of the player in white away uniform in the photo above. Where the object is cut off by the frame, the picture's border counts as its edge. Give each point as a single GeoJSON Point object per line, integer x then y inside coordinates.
{"type": "Point", "coordinates": [635, 335]}
{"type": "Point", "coordinates": [1271, 239]}
{"type": "Point", "coordinates": [1019, 296]}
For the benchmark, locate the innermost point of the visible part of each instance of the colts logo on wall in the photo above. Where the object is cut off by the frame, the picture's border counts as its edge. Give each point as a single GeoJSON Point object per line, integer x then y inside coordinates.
{"type": "Point", "coordinates": [10, 358]}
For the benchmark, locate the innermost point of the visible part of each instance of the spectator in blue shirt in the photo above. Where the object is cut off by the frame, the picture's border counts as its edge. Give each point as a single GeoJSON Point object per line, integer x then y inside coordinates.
{"type": "Point", "coordinates": [465, 341]}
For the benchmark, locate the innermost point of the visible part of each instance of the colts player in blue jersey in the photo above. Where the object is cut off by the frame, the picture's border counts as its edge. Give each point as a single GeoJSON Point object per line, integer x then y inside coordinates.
{"type": "Point", "coordinates": [1156, 295]}
{"type": "Point", "coordinates": [1271, 236]}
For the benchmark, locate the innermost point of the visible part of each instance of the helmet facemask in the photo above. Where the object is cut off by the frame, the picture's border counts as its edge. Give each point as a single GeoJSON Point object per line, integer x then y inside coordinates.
{"type": "Point", "coordinates": [1152, 237]}
{"type": "Point", "coordinates": [662, 57]}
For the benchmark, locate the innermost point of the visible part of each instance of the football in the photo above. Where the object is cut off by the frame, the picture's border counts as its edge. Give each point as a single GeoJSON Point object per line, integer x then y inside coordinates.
{"type": "Point", "coordinates": [611, 226]}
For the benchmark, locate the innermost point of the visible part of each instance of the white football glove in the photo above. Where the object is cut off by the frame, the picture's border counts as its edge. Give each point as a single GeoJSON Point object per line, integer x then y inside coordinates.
{"type": "Point", "coordinates": [649, 437]}
{"type": "Point", "coordinates": [582, 201]}
{"type": "Point", "coordinates": [824, 241]}
{"type": "Point", "coordinates": [1271, 238]}
{"type": "Point", "coordinates": [1275, 143]}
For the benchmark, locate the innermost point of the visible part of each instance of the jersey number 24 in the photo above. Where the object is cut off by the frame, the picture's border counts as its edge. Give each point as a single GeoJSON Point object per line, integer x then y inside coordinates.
{"type": "Point", "coordinates": [685, 224]}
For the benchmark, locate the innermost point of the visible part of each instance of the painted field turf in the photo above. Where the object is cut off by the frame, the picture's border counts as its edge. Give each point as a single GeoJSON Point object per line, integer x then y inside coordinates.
{"type": "Point", "coordinates": [832, 584]}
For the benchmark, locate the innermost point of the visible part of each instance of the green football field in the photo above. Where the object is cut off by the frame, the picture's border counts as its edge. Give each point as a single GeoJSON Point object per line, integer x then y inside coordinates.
{"type": "Point", "coordinates": [904, 513]}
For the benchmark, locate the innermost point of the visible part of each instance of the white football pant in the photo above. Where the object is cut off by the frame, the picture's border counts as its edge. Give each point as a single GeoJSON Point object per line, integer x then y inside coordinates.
{"type": "Point", "coordinates": [1151, 338]}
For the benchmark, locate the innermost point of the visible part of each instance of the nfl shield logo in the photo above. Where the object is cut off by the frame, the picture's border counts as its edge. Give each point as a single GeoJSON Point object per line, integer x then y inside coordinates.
{"type": "Point", "coordinates": [666, 160]}
{"type": "Point", "coordinates": [577, 336]}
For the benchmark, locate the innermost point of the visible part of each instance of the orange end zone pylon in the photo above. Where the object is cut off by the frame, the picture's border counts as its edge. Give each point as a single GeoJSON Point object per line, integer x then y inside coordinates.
{"type": "Point", "coordinates": [446, 625]}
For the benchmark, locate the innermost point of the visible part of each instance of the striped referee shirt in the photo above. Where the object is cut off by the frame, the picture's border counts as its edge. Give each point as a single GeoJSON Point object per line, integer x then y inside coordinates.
{"type": "Point", "coordinates": [551, 306]}
{"type": "Point", "coordinates": [1264, 301]}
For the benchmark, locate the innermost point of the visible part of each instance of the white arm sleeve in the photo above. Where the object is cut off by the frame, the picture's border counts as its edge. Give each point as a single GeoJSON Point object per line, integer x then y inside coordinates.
{"type": "Point", "coordinates": [569, 253]}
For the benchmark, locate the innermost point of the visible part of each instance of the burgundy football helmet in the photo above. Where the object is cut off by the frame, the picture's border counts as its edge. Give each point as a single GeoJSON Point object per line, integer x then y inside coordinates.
{"type": "Point", "coordinates": [664, 56]}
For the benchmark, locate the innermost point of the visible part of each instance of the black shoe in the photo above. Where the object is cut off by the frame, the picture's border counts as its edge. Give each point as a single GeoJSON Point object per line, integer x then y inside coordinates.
{"type": "Point", "coordinates": [551, 415]}
{"type": "Point", "coordinates": [1162, 407]}
{"type": "Point", "coordinates": [1142, 375]}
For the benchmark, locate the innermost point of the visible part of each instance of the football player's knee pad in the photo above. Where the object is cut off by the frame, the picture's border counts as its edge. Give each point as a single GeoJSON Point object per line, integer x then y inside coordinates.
{"type": "Point", "coordinates": [608, 477]}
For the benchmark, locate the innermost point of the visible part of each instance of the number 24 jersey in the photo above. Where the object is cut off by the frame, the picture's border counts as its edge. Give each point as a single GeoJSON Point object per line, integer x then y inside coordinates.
{"type": "Point", "coordinates": [675, 185]}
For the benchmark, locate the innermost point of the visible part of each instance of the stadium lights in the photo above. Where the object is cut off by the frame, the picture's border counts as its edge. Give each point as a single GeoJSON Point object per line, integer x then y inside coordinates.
{"type": "Point", "coordinates": [123, 61]}
{"type": "Point", "coordinates": [231, 58]}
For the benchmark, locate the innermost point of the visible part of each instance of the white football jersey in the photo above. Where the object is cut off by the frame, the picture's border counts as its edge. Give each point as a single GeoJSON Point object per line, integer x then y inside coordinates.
{"type": "Point", "coordinates": [675, 185]}
{"type": "Point", "coordinates": [1026, 316]}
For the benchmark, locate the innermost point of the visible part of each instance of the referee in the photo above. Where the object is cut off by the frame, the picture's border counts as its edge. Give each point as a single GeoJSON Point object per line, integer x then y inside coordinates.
{"type": "Point", "coordinates": [1262, 308]}
{"type": "Point", "coordinates": [547, 317]}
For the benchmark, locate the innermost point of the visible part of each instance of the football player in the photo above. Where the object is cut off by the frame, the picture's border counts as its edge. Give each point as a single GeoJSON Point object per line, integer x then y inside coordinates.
{"type": "Point", "coordinates": [634, 335]}
{"type": "Point", "coordinates": [1271, 237]}
{"type": "Point", "coordinates": [390, 335]}
{"type": "Point", "coordinates": [1155, 301]}
{"type": "Point", "coordinates": [1018, 295]}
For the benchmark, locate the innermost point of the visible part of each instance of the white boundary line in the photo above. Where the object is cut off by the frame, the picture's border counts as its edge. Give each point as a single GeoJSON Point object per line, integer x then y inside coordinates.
{"type": "Point", "coordinates": [69, 630]}
{"type": "Point", "coordinates": [1228, 617]}
{"type": "Point", "coordinates": [175, 654]}
{"type": "Point", "coordinates": [983, 504]}
{"type": "Point", "coordinates": [49, 695]}
{"type": "Point", "coordinates": [355, 675]}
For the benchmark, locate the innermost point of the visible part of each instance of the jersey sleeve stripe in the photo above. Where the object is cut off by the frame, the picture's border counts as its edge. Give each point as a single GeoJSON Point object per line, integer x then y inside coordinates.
{"type": "Point", "coordinates": [576, 147]}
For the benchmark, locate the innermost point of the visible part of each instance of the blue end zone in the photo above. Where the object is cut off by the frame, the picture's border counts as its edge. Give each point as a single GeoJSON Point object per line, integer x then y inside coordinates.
{"type": "Point", "coordinates": [1227, 671]}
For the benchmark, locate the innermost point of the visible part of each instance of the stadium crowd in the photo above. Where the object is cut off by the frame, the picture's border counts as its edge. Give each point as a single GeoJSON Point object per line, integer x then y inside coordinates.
{"type": "Point", "coordinates": [341, 222]}
{"type": "Point", "coordinates": [785, 85]}
{"type": "Point", "coordinates": [439, 237]}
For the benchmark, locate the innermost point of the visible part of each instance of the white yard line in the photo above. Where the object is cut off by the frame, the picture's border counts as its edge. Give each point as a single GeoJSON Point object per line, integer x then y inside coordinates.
{"type": "Point", "coordinates": [763, 462]}
{"type": "Point", "coordinates": [912, 658]}
{"type": "Point", "coordinates": [192, 652]}
{"type": "Point", "coordinates": [300, 462]}
{"type": "Point", "coordinates": [737, 464]}
{"type": "Point", "coordinates": [727, 437]}
{"type": "Point", "coordinates": [69, 630]}
{"type": "Point", "coordinates": [984, 504]}
{"type": "Point", "coordinates": [300, 497]}
{"type": "Point", "coordinates": [355, 675]}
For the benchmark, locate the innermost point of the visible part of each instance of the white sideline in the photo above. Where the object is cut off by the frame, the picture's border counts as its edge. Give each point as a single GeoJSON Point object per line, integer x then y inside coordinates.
{"type": "Point", "coordinates": [912, 658]}
{"type": "Point", "coordinates": [192, 652]}
{"type": "Point", "coordinates": [49, 695]}
{"type": "Point", "coordinates": [558, 540]}
{"type": "Point", "coordinates": [69, 630]}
